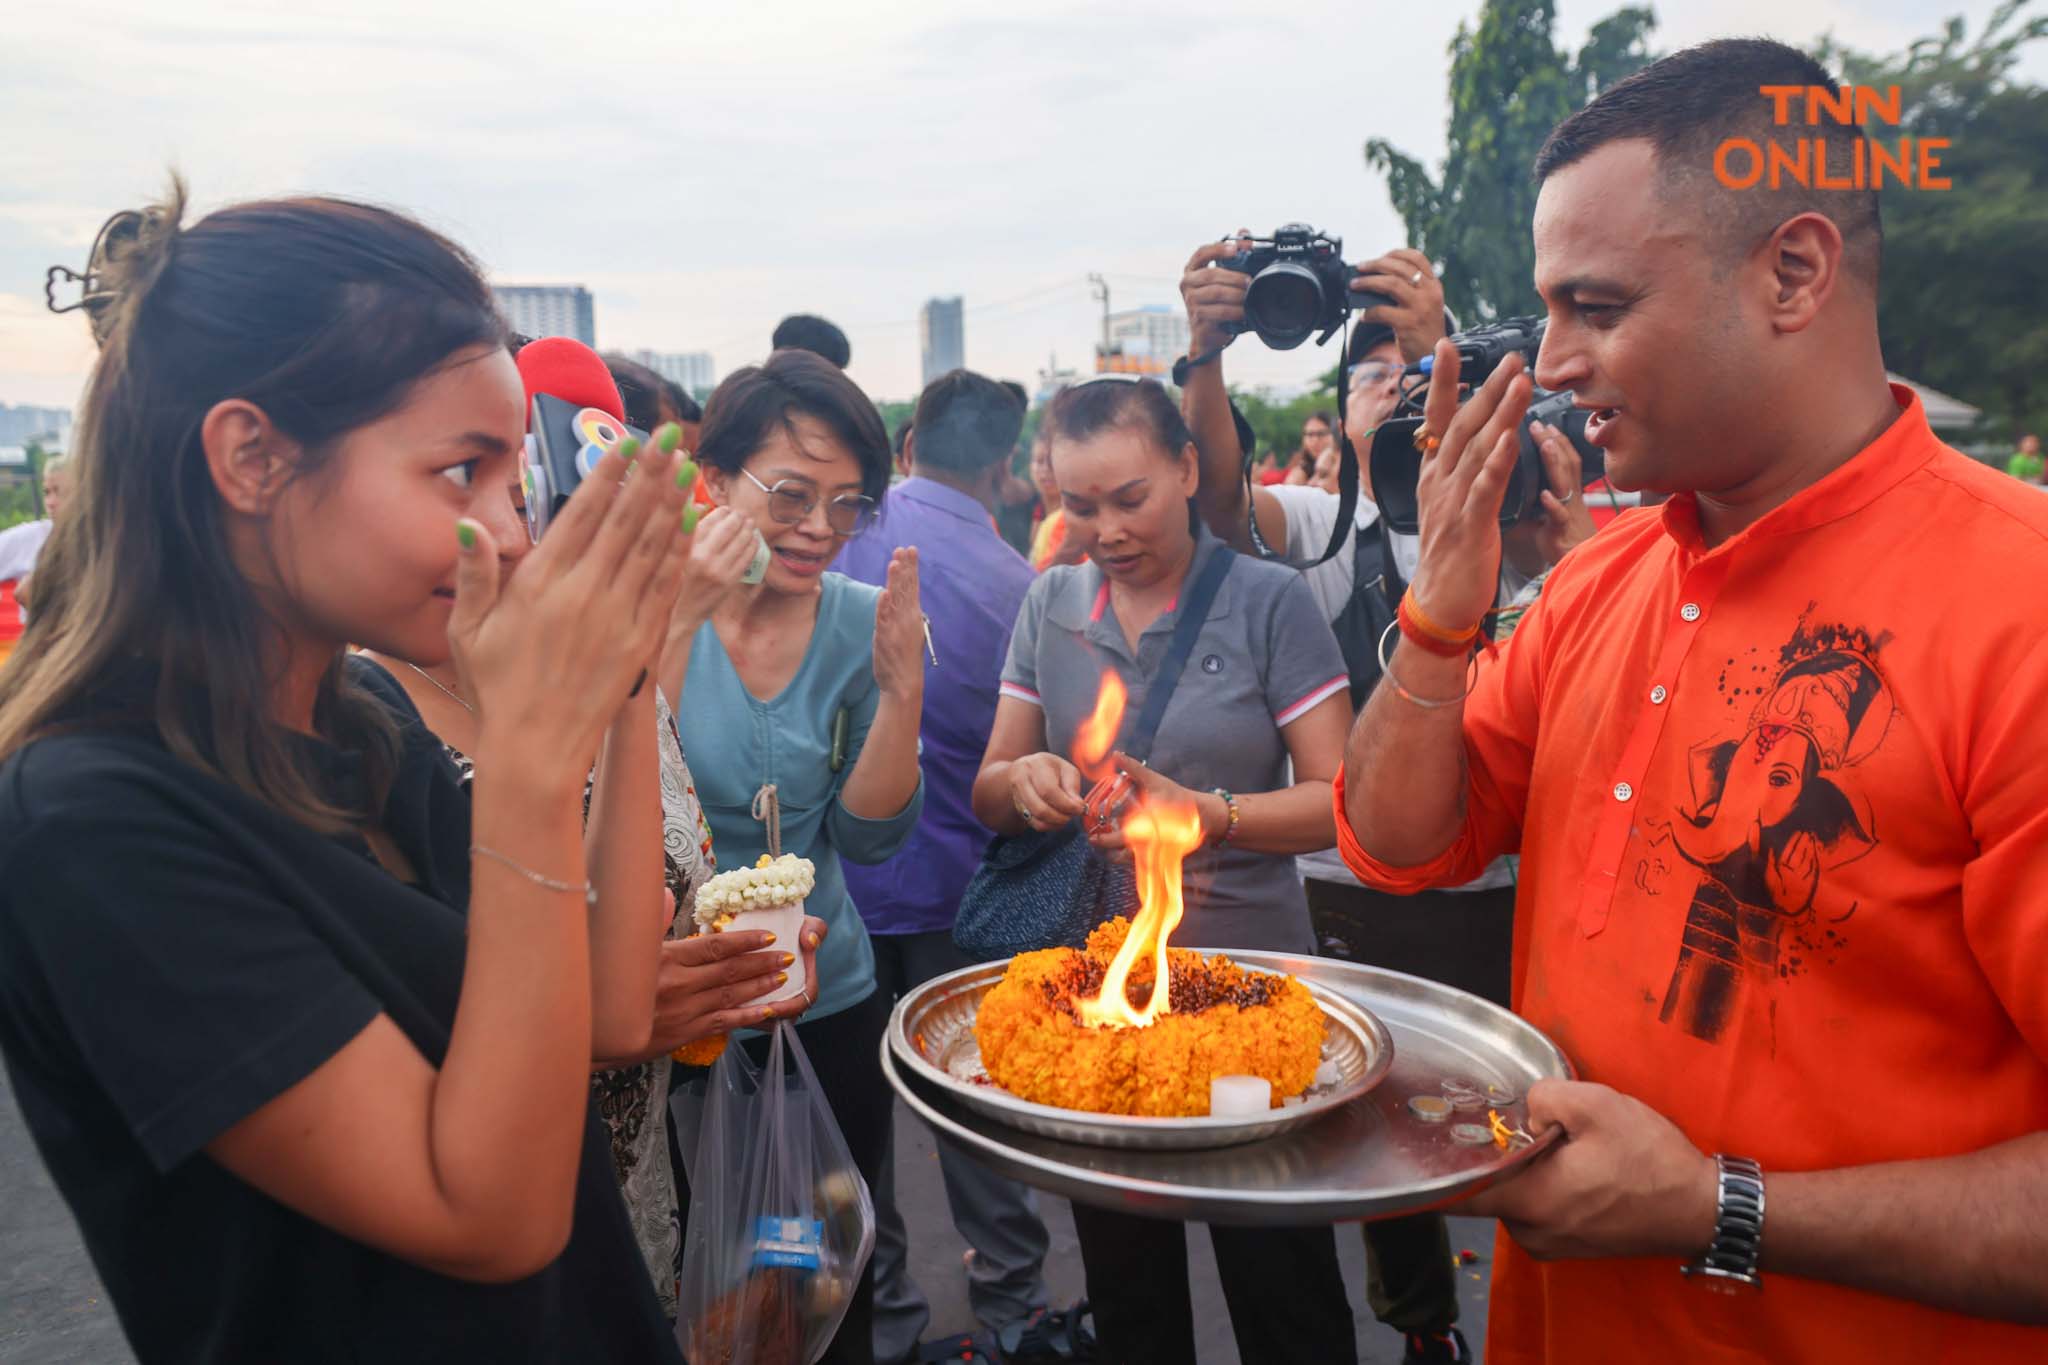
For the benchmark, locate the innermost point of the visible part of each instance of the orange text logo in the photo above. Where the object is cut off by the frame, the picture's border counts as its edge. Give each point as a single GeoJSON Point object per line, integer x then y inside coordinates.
{"type": "Point", "coordinates": [1742, 163]}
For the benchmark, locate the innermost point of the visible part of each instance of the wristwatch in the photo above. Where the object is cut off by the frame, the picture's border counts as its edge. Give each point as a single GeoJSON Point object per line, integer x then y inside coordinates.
{"type": "Point", "coordinates": [1731, 1260]}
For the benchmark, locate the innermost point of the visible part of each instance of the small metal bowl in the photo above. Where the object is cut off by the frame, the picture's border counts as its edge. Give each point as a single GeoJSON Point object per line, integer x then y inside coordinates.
{"type": "Point", "coordinates": [932, 1033]}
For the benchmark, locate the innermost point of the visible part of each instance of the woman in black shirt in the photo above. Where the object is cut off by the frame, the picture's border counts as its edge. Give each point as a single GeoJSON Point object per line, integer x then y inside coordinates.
{"type": "Point", "coordinates": [303, 1033]}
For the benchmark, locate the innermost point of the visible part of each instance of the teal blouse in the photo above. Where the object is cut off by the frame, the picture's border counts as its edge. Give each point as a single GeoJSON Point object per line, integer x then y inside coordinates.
{"type": "Point", "coordinates": [737, 742]}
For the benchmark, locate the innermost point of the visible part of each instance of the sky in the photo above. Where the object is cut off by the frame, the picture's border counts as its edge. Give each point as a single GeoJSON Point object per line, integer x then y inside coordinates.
{"type": "Point", "coordinates": [706, 169]}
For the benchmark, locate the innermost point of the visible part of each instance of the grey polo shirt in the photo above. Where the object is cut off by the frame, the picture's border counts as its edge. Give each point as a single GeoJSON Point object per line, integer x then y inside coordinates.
{"type": "Point", "coordinates": [1264, 659]}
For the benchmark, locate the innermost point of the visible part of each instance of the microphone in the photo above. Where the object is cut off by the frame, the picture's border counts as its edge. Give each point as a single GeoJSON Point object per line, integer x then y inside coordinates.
{"type": "Point", "coordinates": [564, 368]}
{"type": "Point", "coordinates": [573, 416]}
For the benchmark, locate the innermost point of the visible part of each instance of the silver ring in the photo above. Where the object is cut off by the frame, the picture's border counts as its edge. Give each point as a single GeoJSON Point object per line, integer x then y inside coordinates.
{"type": "Point", "coordinates": [1416, 278]}
{"type": "Point", "coordinates": [1566, 498]}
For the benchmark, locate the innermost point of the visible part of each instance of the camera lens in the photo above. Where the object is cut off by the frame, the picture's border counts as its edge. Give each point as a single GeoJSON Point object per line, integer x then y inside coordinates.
{"type": "Point", "coordinates": [1283, 304]}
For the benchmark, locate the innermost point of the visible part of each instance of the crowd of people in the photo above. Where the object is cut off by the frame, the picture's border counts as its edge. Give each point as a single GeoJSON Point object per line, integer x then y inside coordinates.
{"type": "Point", "coordinates": [348, 834]}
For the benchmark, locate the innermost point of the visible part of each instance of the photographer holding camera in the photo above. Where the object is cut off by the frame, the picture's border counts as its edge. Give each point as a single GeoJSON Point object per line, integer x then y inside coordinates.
{"type": "Point", "coordinates": [1770, 759]}
{"type": "Point", "coordinates": [1459, 934]}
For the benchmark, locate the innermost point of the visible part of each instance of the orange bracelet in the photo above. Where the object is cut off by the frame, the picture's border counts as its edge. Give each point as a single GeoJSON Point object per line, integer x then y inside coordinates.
{"type": "Point", "coordinates": [1427, 634]}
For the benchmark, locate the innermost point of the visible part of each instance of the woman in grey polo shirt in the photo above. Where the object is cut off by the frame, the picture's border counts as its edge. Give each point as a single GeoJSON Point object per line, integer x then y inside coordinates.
{"type": "Point", "coordinates": [1265, 684]}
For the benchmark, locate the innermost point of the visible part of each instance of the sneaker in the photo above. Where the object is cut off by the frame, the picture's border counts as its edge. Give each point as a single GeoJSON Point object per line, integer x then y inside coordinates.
{"type": "Point", "coordinates": [1437, 1348]}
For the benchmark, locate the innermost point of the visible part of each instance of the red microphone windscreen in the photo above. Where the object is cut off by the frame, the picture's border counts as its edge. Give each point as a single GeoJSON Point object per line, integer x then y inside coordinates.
{"type": "Point", "coordinates": [565, 368]}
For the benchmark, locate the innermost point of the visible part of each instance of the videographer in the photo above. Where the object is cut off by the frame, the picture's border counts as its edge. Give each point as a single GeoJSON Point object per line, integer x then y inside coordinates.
{"type": "Point", "coordinates": [1459, 935]}
{"type": "Point", "coordinates": [1770, 758]}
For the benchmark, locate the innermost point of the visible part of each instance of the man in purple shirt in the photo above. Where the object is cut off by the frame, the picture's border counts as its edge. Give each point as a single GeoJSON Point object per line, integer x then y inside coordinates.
{"type": "Point", "coordinates": [973, 585]}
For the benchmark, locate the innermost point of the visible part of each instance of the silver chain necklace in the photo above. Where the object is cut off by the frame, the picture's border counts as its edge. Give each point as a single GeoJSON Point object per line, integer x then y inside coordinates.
{"type": "Point", "coordinates": [451, 693]}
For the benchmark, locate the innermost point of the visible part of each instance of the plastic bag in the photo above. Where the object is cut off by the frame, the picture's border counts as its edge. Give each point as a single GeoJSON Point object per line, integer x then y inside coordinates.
{"type": "Point", "coordinates": [781, 1223]}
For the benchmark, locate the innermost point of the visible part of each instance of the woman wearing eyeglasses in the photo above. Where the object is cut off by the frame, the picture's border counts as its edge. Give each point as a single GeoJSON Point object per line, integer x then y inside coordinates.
{"type": "Point", "coordinates": [798, 696]}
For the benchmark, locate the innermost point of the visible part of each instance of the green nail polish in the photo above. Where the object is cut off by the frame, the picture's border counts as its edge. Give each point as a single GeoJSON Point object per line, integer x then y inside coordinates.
{"type": "Point", "coordinates": [691, 514]}
{"type": "Point", "coordinates": [465, 534]}
{"type": "Point", "coordinates": [669, 437]}
{"type": "Point", "coordinates": [686, 473]}
{"type": "Point", "coordinates": [630, 448]}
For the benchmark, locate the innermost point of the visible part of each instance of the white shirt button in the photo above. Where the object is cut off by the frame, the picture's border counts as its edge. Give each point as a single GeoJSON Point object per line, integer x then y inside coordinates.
{"type": "Point", "coordinates": [1690, 611]}
{"type": "Point", "coordinates": [1623, 791]}
{"type": "Point", "coordinates": [1658, 694]}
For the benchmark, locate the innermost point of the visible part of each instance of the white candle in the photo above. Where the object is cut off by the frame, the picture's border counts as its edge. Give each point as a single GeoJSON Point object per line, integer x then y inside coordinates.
{"type": "Point", "coordinates": [1236, 1096]}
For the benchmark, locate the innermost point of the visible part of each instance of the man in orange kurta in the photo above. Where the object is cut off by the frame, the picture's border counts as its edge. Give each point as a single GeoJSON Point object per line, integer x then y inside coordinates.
{"type": "Point", "coordinates": [1773, 760]}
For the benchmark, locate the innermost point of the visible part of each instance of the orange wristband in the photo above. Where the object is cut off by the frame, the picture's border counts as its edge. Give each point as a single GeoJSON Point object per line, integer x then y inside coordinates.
{"type": "Point", "coordinates": [1427, 634]}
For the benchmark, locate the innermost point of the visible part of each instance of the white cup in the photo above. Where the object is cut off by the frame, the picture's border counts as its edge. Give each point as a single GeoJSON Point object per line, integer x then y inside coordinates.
{"type": "Point", "coordinates": [786, 922]}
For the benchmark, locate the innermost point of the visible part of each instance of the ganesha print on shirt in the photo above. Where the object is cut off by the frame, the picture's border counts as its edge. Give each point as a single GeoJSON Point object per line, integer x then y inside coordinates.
{"type": "Point", "coordinates": [1773, 810]}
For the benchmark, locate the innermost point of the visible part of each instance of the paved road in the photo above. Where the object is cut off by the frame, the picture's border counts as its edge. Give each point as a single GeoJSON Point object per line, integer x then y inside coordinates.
{"type": "Point", "coordinates": [54, 1312]}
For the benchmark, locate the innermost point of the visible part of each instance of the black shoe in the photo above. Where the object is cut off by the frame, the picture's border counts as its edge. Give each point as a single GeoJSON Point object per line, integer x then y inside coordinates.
{"type": "Point", "coordinates": [1437, 1348]}
{"type": "Point", "coordinates": [1048, 1337]}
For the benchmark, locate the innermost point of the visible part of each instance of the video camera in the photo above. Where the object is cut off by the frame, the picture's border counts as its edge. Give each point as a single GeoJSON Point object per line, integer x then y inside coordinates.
{"type": "Point", "coordinates": [1397, 464]}
{"type": "Point", "coordinates": [1300, 285]}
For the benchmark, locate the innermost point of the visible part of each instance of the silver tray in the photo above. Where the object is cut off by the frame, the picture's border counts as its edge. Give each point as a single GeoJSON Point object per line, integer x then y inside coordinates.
{"type": "Point", "coordinates": [932, 1034]}
{"type": "Point", "coordinates": [1371, 1158]}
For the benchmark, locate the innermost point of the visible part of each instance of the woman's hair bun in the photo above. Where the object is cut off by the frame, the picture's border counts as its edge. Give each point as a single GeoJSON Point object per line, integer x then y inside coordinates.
{"type": "Point", "coordinates": [129, 255]}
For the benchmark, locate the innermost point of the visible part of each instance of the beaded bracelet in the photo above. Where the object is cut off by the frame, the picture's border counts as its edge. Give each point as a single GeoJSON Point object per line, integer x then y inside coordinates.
{"type": "Point", "coordinates": [1229, 830]}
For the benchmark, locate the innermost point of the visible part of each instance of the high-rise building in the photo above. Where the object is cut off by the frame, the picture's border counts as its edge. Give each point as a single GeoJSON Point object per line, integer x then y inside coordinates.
{"type": "Point", "coordinates": [691, 369]}
{"type": "Point", "coordinates": [49, 427]}
{"type": "Point", "coordinates": [941, 333]}
{"type": "Point", "coordinates": [549, 310]}
{"type": "Point", "coordinates": [1143, 341]}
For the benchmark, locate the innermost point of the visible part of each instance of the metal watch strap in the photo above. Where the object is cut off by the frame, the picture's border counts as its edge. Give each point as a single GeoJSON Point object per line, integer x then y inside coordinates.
{"type": "Point", "coordinates": [1731, 1260]}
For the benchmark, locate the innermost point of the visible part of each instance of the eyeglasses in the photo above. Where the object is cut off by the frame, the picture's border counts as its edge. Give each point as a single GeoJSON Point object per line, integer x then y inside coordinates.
{"type": "Point", "coordinates": [1371, 374]}
{"type": "Point", "coordinates": [791, 500]}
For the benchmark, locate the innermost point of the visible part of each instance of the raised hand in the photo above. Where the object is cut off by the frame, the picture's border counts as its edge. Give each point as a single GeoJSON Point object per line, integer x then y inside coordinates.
{"type": "Point", "coordinates": [1214, 298]}
{"type": "Point", "coordinates": [550, 655]}
{"type": "Point", "coordinates": [1417, 313]}
{"type": "Point", "coordinates": [1566, 522]}
{"type": "Point", "coordinates": [721, 547]}
{"type": "Point", "coordinates": [1459, 491]}
{"type": "Point", "coordinates": [899, 631]}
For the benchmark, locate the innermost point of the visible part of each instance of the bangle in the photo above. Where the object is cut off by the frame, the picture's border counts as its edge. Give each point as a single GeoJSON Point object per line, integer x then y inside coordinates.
{"type": "Point", "coordinates": [1229, 830]}
{"type": "Point", "coordinates": [1426, 703]}
{"type": "Point", "coordinates": [585, 889]}
{"type": "Point", "coordinates": [1416, 625]}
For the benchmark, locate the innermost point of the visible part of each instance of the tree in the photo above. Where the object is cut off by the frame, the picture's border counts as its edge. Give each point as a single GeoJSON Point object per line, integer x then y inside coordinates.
{"type": "Point", "coordinates": [1277, 424]}
{"type": "Point", "coordinates": [21, 497]}
{"type": "Point", "coordinates": [1510, 85]}
{"type": "Point", "coordinates": [1960, 302]}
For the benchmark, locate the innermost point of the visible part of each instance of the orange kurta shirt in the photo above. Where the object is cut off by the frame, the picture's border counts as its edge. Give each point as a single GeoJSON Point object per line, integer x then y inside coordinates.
{"type": "Point", "coordinates": [1782, 807]}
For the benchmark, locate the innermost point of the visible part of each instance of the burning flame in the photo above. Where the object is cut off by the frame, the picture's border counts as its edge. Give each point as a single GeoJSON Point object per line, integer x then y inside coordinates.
{"type": "Point", "coordinates": [1160, 835]}
{"type": "Point", "coordinates": [1096, 738]}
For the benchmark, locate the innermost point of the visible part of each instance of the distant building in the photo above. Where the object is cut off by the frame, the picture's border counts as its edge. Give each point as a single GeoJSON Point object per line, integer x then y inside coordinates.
{"type": "Point", "coordinates": [49, 428]}
{"type": "Point", "coordinates": [1143, 341]}
{"type": "Point", "coordinates": [549, 310]}
{"type": "Point", "coordinates": [941, 332]}
{"type": "Point", "coordinates": [691, 369]}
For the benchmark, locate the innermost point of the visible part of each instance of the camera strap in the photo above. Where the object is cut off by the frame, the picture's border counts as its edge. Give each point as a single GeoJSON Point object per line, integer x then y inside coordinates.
{"type": "Point", "coordinates": [1347, 479]}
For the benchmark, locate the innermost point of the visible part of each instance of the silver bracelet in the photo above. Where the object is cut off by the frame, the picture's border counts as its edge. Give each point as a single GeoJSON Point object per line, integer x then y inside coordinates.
{"type": "Point", "coordinates": [1426, 703]}
{"type": "Point", "coordinates": [585, 889]}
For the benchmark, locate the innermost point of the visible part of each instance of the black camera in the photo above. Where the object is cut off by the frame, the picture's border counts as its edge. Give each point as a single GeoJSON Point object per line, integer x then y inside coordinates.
{"type": "Point", "coordinates": [1397, 464]}
{"type": "Point", "coordinates": [1482, 349]}
{"type": "Point", "coordinates": [1300, 285]}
